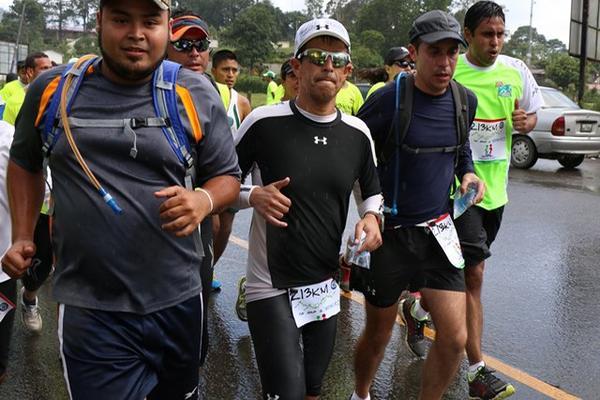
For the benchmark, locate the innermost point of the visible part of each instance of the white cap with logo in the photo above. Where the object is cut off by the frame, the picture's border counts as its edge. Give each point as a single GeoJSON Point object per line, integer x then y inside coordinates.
{"type": "Point", "coordinates": [320, 27]}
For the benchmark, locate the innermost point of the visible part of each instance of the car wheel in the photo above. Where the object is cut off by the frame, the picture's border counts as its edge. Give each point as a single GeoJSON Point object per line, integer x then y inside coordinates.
{"type": "Point", "coordinates": [571, 160]}
{"type": "Point", "coordinates": [523, 154]}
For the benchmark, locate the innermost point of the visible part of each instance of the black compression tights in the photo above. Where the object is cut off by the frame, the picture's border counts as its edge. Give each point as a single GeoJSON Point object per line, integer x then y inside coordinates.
{"type": "Point", "coordinates": [289, 370]}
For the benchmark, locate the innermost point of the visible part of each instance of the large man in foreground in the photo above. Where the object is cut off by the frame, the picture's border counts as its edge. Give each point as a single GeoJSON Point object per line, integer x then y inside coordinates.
{"type": "Point", "coordinates": [417, 169]}
{"type": "Point", "coordinates": [128, 284]}
{"type": "Point", "coordinates": [305, 157]}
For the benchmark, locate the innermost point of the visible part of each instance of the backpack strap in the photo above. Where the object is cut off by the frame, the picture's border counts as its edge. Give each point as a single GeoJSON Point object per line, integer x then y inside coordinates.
{"type": "Point", "coordinates": [164, 97]}
{"type": "Point", "coordinates": [405, 87]}
{"type": "Point", "coordinates": [461, 105]}
{"type": "Point", "coordinates": [50, 133]}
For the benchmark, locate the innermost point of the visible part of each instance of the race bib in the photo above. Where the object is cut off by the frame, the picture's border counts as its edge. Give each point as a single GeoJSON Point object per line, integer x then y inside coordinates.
{"type": "Point", "coordinates": [488, 139]}
{"type": "Point", "coordinates": [445, 233]}
{"type": "Point", "coordinates": [5, 306]}
{"type": "Point", "coordinates": [315, 302]}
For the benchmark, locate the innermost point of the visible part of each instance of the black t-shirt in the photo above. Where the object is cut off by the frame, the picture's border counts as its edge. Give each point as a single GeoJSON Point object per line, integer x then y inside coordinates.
{"type": "Point", "coordinates": [323, 161]}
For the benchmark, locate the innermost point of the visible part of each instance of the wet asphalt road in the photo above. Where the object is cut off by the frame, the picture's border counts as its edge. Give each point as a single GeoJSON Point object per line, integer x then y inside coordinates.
{"type": "Point", "coordinates": [540, 296]}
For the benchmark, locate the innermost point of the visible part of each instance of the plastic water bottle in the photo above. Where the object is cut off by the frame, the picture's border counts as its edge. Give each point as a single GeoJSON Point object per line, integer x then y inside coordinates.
{"type": "Point", "coordinates": [464, 201]}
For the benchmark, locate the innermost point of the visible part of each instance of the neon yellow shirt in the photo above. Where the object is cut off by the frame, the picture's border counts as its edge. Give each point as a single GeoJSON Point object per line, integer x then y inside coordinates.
{"type": "Point", "coordinates": [373, 88]}
{"type": "Point", "coordinates": [271, 92]}
{"type": "Point", "coordinates": [12, 88]}
{"type": "Point", "coordinates": [497, 87]}
{"type": "Point", "coordinates": [13, 105]}
{"type": "Point", "coordinates": [279, 93]}
{"type": "Point", "coordinates": [349, 99]}
{"type": "Point", "coordinates": [224, 93]}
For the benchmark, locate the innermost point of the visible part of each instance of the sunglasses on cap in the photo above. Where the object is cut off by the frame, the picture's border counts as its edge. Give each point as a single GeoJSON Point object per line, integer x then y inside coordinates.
{"type": "Point", "coordinates": [188, 44]}
{"type": "Point", "coordinates": [405, 64]}
{"type": "Point", "coordinates": [339, 59]}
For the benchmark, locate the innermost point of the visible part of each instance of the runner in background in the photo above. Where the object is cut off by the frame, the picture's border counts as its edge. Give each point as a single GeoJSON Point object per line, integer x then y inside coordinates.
{"type": "Point", "coordinates": [349, 99]}
{"type": "Point", "coordinates": [225, 70]}
{"type": "Point", "coordinates": [396, 60]}
{"type": "Point", "coordinates": [269, 77]}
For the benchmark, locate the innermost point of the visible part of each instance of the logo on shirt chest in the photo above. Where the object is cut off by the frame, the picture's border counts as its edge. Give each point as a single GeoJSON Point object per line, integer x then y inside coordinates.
{"type": "Point", "coordinates": [321, 140]}
{"type": "Point", "coordinates": [504, 90]}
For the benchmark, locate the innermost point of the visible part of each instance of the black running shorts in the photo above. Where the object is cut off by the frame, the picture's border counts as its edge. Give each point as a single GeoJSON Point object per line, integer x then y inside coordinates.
{"type": "Point", "coordinates": [477, 228]}
{"type": "Point", "coordinates": [409, 256]}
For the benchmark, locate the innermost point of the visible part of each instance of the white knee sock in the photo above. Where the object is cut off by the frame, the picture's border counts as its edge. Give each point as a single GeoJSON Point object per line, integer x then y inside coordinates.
{"type": "Point", "coordinates": [357, 397]}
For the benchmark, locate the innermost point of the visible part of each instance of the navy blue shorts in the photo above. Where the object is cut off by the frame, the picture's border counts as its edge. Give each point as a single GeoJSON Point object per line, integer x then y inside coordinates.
{"type": "Point", "coordinates": [117, 355]}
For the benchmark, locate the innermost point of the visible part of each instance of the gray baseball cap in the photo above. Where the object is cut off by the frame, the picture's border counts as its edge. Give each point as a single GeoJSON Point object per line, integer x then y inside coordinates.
{"type": "Point", "coordinates": [434, 26]}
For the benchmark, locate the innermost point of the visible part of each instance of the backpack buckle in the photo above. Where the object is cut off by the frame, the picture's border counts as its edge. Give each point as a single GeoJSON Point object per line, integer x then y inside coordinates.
{"type": "Point", "coordinates": [138, 123]}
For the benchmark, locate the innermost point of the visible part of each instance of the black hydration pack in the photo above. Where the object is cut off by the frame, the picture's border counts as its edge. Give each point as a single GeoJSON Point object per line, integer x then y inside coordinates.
{"type": "Point", "coordinates": [394, 141]}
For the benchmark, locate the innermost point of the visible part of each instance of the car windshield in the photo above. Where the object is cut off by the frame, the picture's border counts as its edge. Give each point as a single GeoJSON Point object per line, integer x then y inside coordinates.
{"type": "Point", "coordinates": [555, 99]}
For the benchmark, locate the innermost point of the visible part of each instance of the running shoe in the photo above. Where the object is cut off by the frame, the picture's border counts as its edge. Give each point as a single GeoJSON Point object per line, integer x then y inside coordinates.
{"type": "Point", "coordinates": [414, 336]}
{"type": "Point", "coordinates": [487, 386]}
{"type": "Point", "coordinates": [30, 315]}
{"type": "Point", "coordinates": [240, 304]}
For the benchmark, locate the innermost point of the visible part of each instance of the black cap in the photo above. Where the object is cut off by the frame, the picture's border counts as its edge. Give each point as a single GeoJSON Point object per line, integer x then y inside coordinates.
{"type": "Point", "coordinates": [395, 54]}
{"type": "Point", "coordinates": [434, 26]}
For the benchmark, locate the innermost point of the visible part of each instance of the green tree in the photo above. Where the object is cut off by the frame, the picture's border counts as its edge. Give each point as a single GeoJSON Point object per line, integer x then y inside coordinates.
{"type": "Point", "coordinates": [34, 24]}
{"type": "Point", "coordinates": [373, 40]}
{"type": "Point", "coordinates": [394, 18]}
{"type": "Point", "coordinates": [364, 57]}
{"type": "Point", "coordinates": [58, 15]}
{"type": "Point", "coordinates": [563, 70]}
{"type": "Point", "coordinates": [314, 8]}
{"type": "Point", "coordinates": [252, 33]}
{"type": "Point", "coordinates": [87, 44]}
{"type": "Point", "coordinates": [218, 13]}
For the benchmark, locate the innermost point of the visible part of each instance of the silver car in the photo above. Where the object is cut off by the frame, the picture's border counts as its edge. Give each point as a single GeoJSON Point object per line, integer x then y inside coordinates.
{"type": "Point", "coordinates": [563, 132]}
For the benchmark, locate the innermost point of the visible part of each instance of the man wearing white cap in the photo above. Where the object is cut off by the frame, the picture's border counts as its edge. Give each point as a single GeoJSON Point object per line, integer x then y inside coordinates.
{"type": "Point", "coordinates": [304, 176]}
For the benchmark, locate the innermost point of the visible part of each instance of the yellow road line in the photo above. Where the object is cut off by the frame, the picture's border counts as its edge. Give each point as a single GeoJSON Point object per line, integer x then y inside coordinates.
{"type": "Point", "coordinates": [514, 373]}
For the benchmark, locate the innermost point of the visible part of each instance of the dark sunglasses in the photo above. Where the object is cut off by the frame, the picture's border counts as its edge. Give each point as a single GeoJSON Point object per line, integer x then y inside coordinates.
{"type": "Point", "coordinates": [319, 57]}
{"type": "Point", "coordinates": [405, 64]}
{"type": "Point", "coordinates": [188, 44]}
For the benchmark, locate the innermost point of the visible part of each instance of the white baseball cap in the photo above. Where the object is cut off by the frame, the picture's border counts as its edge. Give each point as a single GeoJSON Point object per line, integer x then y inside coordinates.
{"type": "Point", "coordinates": [320, 27]}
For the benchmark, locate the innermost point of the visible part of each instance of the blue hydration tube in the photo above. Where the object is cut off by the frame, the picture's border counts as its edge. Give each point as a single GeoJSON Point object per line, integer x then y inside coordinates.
{"type": "Point", "coordinates": [394, 209]}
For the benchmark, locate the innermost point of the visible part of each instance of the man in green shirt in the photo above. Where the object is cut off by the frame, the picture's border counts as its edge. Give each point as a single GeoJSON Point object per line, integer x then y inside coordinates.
{"type": "Point", "coordinates": [349, 99]}
{"type": "Point", "coordinates": [35, 64]}
{"type": "Point", "coordinates": [508, 98]}
{"type": "Point", "coordinates": [269, 76]}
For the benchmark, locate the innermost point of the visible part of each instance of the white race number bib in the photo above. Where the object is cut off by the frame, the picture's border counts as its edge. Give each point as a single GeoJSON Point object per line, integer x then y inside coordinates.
{"type": "Point", "coordinates": [315, 302]}
{"type": "Point", "coordinates": [445, 233]}
{"type": "Point", "coordinates": [488, 139]}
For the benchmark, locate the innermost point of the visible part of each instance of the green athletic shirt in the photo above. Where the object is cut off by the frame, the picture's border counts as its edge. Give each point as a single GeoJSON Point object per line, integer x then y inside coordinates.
{"type": "Point", "coordinates": [279, 93]}
{"type": "Point", "coordinates": [373, 88]}
{"type": "Point", "coordinates": [12, 88]}
{"type": "Point", "coordinates": [271, 92]}
{"type": "Point", "coordinates": [349, 99]}
{"type": "Point", "coordinates": [497, 87]}
{"type": "Point", "coordinates": [13, 105]}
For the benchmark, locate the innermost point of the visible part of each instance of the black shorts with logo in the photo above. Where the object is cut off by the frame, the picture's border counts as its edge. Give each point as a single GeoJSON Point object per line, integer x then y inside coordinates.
{"type": "Point", "coordinates": [477, 229]}
{"type": "Point", "coordinates": [408, 256]}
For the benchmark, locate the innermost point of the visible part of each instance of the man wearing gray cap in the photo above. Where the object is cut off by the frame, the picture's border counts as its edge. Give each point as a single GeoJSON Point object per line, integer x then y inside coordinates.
{"type": "Point", "coordinates": [419, 157]}
{"type": "Point", "coordinates": [141, 155]}
{"type": "Point", "coordinates": [304, 176]}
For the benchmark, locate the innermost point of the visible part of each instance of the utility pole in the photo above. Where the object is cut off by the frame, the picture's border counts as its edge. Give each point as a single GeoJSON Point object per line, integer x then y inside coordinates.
{"type": "Point", "coordinates": [16, 53]}
{"type": "Point", "coordinates": [583, 49]}
{"type": "Point", "coordinates": [530, 35]}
